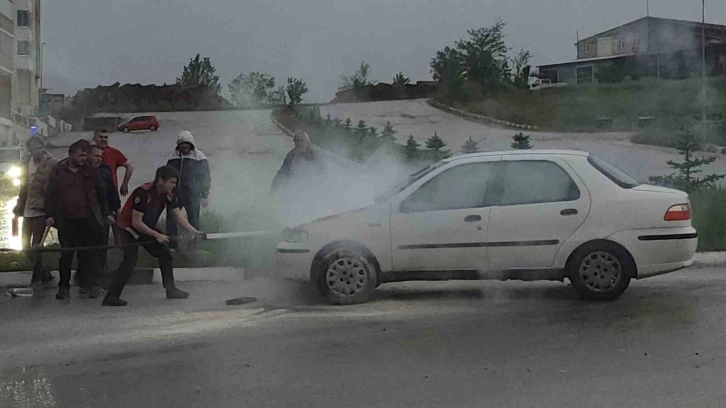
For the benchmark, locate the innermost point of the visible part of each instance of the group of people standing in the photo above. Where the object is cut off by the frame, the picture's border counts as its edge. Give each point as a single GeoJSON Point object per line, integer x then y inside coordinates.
{"type": "Point", "coordinates": [81, 198]}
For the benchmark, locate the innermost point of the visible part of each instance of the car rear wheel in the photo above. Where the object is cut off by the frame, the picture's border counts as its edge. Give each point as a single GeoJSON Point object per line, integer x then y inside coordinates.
{"type": "Point", "coordinates": [601, 271]}
{"type": "Point", "coordinates": [346, 276]}
{"type": "Point", "coordinates": [153, 128]}
{"type": "Point", "coordinates": [126, 130]}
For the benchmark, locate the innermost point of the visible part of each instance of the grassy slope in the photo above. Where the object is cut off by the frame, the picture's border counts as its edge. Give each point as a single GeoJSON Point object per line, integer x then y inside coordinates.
{"type": "Point", "coordinates": [576, 108]}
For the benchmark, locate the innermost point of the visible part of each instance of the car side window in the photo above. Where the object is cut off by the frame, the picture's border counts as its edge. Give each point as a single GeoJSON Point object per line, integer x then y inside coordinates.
{"type": "Point", "coordinates": [535, 182]}
{"type": "Point", "coordinates": [459, 187]}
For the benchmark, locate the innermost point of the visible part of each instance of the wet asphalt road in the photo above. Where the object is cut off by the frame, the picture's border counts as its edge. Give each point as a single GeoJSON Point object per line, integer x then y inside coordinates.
{"type": "Point", "coordinates": [451, 344]}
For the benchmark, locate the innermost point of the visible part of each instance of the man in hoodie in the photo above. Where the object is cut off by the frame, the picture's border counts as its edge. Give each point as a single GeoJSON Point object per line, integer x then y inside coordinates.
{"type": "Point", "coordinates": [76, 204]}
{"type": "Point", "coordinates": [194, 180]}
{"type": "Point", "coordinates": [31, 206]}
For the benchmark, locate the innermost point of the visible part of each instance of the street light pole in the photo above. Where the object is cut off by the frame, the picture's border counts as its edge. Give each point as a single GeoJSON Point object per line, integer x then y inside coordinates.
{"type": "Point", "coordinates": [703, 70]}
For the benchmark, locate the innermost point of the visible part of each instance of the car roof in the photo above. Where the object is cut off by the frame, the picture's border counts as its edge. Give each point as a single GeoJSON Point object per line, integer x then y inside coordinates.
{"type": "Point", "coordinates": [543, 152]}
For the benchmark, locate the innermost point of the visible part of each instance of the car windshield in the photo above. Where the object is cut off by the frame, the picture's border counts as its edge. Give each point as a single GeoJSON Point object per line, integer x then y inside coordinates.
{"type": "Point", "coordinates": [10, 156]}
{"type": "Point", "coordinates": [618, 176]}
{"type": "Point", "coordinates": [412, 178]}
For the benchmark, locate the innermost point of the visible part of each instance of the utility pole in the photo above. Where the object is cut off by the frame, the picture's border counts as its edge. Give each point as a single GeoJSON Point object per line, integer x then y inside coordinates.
{"type": "Point", "coordinates": [703, 70]}
{"type": "Point", "coordinates": [647, 8]}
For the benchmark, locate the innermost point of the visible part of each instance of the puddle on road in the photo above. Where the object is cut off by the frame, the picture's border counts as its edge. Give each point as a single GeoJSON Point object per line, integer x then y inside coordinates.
{"type": "Point", "coordinates": [26, 389]}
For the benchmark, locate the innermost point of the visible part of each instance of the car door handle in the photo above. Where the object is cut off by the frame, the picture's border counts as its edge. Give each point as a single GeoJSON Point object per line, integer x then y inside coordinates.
{"type": "Point", "coordinates": [568, 211]}
{"type": "Point", "coordinates": [472, 218]}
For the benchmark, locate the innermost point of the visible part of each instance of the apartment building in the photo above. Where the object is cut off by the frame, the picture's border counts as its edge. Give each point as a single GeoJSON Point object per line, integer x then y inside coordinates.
{"type": "Point", "coordinates": [20, 68]}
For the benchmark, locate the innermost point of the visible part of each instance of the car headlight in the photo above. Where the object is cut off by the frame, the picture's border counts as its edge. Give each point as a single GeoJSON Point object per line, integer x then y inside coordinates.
{"type": "Point", "coordinates": [17, 182]}
{"type": "Point", "coordinates": [294, 235]}
{"type": "Point", "coordinates": [14, 172]}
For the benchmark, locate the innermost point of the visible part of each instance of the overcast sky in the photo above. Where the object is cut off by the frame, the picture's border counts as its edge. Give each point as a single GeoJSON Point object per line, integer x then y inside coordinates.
{"type": "Point", "coordinates": [148, 41]}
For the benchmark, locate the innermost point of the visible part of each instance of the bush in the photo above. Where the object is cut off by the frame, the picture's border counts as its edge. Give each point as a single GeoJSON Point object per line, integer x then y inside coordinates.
{"type": "Point", "coordinates": [709, 218]}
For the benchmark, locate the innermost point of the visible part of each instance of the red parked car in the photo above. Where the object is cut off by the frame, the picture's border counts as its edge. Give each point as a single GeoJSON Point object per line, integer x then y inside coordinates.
{"type": "Point", "coordinates": [139, 123]}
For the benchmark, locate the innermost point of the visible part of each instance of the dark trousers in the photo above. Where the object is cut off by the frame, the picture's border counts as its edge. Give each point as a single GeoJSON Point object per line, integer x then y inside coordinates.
{"type": "Point", "coordinates": [192, 204]}
{"type": "Point", "coordinates": [79, 232]}
{"type": "Point", "coordinates": [33, 229]}
{"type": "Point", "coordinates": [131, 256]}
{"type": "Point", "coordinates": [100, 257]}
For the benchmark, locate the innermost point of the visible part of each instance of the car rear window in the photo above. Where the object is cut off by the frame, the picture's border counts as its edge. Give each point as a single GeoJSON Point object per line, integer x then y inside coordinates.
{"type": "Point", "coordinates": [618, 176]}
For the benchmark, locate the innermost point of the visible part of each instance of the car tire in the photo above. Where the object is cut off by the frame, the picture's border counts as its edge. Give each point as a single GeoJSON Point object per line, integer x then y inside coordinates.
{"type": "Point", "coordinates": [346, 276]}
{"type": "Point", "coordinates": [600, 271]}
{"type": "Point", "coordinates": [126, 130]}
{"type": "Point", "coordinates": [153, 128]}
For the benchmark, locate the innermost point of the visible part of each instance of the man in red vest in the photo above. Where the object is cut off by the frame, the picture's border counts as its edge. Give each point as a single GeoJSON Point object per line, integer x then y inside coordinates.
{"type": "Point", "coordinates": [137, 224]}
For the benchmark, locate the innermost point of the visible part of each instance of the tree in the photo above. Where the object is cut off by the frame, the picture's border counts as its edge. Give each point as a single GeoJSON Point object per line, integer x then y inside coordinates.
{"type": "Point", "coordinates": [435, 142]}
{"type": "Point", "coordinates": [337, 122]}
{"type": "Point", "coordinates": [470, 146]}
{"type": "Point", "coordinates": [435, 145]}
{"type": "Point", "coordinates": [328, 120]}
{"type": "Point", "coordinates": [411, 149]}
{"type": "Point", "coordinates": [358, 80]}
{"type": "Point", "coordinates": [400, 79]}
{"type": "Point", "coordinates": [447, 67]}
{"type": "Point", "coordinates": [296, 88]}
{"type": "Point", "coordinates": [388, 134]}
{"type": "Point", "coordinates": [278, 96]}
{"type": "Point", "coordinates": [373, 131]}
{"type": "Point", "coordinates": [521, 66]}
{"type": "Point", "coordinates": [348, 124]}
{"type": "Point", "coordinates": [686, 176]}
{"type": "Point", "coordinates": [521, 142]}
{"type": "Point", "coordinates": [362, 128]}
{"type": "Point", "coordinates": [251, 89]}
{"type": "Point", "coordinates": [199, 75]}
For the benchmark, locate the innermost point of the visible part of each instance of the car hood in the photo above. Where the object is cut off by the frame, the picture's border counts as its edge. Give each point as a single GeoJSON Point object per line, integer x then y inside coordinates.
{"type": "Point", "coordinates": [348, 224]}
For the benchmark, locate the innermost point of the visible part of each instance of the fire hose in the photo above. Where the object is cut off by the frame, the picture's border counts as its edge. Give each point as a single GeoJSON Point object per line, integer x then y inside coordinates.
{"type": "Point", "coordinates": [195, 237]}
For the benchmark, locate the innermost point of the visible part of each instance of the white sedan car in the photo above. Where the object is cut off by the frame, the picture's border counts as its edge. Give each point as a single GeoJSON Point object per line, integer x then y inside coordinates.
{"type": "Point", "coordinates": [527, 215]}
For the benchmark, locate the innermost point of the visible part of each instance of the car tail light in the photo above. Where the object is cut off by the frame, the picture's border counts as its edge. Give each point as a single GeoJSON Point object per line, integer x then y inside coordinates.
{"type": "Point", "coordinates": [679, 212]}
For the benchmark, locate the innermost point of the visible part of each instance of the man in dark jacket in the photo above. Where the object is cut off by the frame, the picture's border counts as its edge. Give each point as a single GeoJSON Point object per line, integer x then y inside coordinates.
{"type": "Point", "coordinates": [194, 180]}
{"type": "Point", "coordinates": [76, 204]}
{"type": "Point", "coordinates": [31, 206]}
{"type": "Point", "coordinates": [301, 164]}
{"type": "Point", "coordinates": [112, 198]}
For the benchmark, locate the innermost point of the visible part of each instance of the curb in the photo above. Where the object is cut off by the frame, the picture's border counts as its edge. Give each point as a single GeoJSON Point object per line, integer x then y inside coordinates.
{"type": "Point", "coordinates": [477, 117]}
{"type": "Point", "coordinates": [325, 153]}
{"type": "Point", "coordinates": [710, 259]}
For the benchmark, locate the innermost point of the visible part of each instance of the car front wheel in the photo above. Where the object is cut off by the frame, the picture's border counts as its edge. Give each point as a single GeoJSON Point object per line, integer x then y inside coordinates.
{"type": "Point", "coordinates": [346, 276]}
{"type": "Point", "coordinates": [600, 271]}
{"type": "Point", "coordinates": [126, 130]}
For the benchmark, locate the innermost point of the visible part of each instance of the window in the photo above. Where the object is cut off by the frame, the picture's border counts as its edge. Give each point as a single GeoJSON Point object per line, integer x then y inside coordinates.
{"type": "Point", "coordinates": [457, 188]}
{"type": "Point", "coordinates": [534, 182]}
{"type": "Point", "coordinates": [618, 176]}
{"type": "Point", "coordinates": [587, 47]}
{"type": "Point", "coordinates": [24, 48]}
{"type": "Point", "coordinates": [621, 44]}
{"type": "Point", "coordinates": [23, 18]}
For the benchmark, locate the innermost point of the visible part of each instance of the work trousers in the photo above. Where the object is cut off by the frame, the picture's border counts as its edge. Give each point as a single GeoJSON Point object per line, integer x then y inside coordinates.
{"type": "Point", "coordinates": [80, 232]}
{"type": "Point", "coordinates": [131, 256]}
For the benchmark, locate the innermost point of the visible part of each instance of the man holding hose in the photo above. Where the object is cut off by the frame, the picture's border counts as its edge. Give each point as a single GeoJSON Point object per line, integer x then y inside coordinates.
{"type": "Point", "coordinates": [137, 225]}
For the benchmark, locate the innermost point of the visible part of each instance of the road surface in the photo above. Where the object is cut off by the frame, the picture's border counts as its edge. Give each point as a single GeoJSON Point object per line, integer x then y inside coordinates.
{"type": "Point", "coordinates": [446, 344]}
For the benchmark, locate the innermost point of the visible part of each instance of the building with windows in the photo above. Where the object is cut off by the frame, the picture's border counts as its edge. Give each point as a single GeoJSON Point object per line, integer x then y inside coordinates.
{"type": "Point", "coordinates": [648, 47]}
{"type": "Point", "coordinates": [20, 68]}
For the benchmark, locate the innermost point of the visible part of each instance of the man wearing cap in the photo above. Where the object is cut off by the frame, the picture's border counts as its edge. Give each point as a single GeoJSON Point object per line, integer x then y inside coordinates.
{"type": "Point", "coordinates": [195, 180]}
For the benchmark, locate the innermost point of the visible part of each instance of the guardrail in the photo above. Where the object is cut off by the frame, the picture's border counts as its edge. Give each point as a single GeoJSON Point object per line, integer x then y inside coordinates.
{"type": "Point", "coordinates": [477, 117]}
